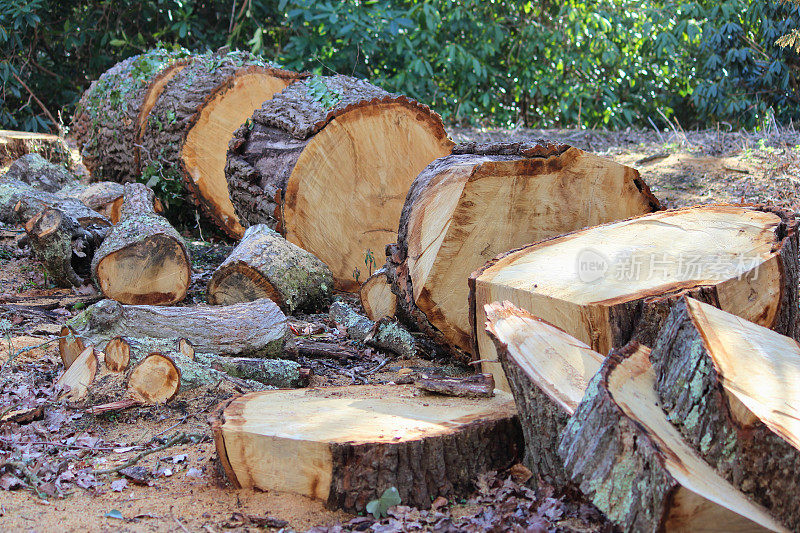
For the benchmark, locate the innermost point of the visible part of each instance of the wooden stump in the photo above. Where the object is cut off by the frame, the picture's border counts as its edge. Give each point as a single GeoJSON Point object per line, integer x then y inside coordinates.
{"type": "Point", "coordinates": [265, 265]}
{"type": "Point", "coordinates": [15, 144]}
{"type": "Point", "coordinates": [143, 260]}
{"type": "Point", "coordinates": [622, 450]}
{"type": "Point", "coordinates": [186, 136]}
{"type": "Point", "coordinates": [731, 388]}
{"type": "Point", "coordinates": [377, 297]}
{"type": "Point", "coordinates": [39, 173]}
{"type": "Point", "coordinates": [328, 162]}
{"type": "Point", "coordinates": [464, 209]}
{"type": "Point", "coordinates": [548, 372]}
{"type": "Point", "coordinates": [256, 329]}
{"type": "Point", "coordinates": [369, 438]}
{"type": "Point", "coordinates": [109, 120]}
{"type": "Point", "coordinates": [617, 282]}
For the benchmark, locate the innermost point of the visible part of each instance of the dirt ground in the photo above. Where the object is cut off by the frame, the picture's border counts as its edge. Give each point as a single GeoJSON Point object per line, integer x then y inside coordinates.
{"type": "Point", "coordinates": [183, 489]}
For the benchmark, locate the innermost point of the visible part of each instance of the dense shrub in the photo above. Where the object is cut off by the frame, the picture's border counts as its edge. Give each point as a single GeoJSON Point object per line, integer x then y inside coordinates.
{"type": "Point", "coordinates": [609, 63]}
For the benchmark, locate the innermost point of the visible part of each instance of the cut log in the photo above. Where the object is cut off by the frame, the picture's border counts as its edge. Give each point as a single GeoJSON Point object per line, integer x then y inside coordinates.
{"type": "Point", "coordinates": [255, 329]}
{"type": "Point", "coordinates": [15, 144]}
{"type": "Point", "coordinates": [109, 120]}
{"type": "Point", "coordinates": [105, 197]}
{"type": "Point", "coordinates": [327, 163]}
{"type": "Point", "coordinates": [70, 346]}
{"type": "Point", "coordinates": [64, 245]}
{"type": "Point", "coordinates": [548, 372]}
{"type": "Point", "coordinates": [731, 388]}
{"type": "Point", "coordinates": [377, 297]}
{"type": "Point", "coordinates": [187, 134]}
{"type": "Point", "coordinates": [477, 386]}
{"type": "Point", "coordinates": [39, 173]}
{"type": "Point", "coordinates": [265, 265]}
{"type": "Point", "coordinates": [466, 208]}
{"type": "Point", "coordinates": [634, 465]}
{"type": "Point", "coordinates": [122, 352]}
{"type": "Point", "coordinates": [278, 373]}
{"type": "Point", "coordinates": [385, 334]}
{"type": "Point", "coordinates": [143, 260]}
{"type": "Point", "coordinates": [617, 282]}
{"type": "Point", "coordinates": [373, 438]}
{"type": "Point", "coordinates": [156, 379]}
{"type": "Point", "coordinates": [76, 380]}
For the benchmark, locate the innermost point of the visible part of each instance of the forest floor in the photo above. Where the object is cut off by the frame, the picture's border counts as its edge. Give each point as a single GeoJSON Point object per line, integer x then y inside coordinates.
{"type": "Point", "coordinates": [180, 488]}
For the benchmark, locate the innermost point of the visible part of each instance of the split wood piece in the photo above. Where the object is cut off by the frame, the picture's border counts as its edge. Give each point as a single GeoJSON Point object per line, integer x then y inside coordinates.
{"type": "Point", "coordinates": [64, 245]}
{"type": "Point", "coordinates": [109, 120]}
{"type": "Point", "coordinates": [265, 265]}
{"type": "Point", "coordinates": [190, 125]}
{"type": "Point", "coordinates": [548, 371]}
{"type": "Point", "coordinates": [254, 329]}
{"type": "Point", "coordinates": [628, 458]}
{"type": "Point", "coordinates": [156, 379]}
{"type": "Point", "coordinates": [377, 297]}
{"type": "Point", "coordinates": [617, 282]}
{"type": "Point", "coordinates": [143, 260]}
{"type": "Point", "coordinates": [485, 199]}
{"type": "Point", "coordinates": [278, 373]}
{"type": "Point", "coordinates": [122, 352]}
{"type": "Point", "coordinates": [80, 375]}
{"type": "Point", "coordinates": [70, 346]}
{"type": "Point", "coordinates": [385, 334]}
{"type": "Point", "coordinates": [39, 173]}
{"type": "Point", "coordinates": [328, 162]}
{"type": "Point", "coordinates": [15, 144]}
{"type": "Point", "coordinates": [370, 438]}
{"type": "Point", "coordinates": [477, 386]}
{"type": "Point", "coordinates": [731, 388]}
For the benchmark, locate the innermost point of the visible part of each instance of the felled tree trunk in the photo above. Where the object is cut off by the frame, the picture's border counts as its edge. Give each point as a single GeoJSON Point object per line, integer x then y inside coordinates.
{"type": "Point", "coordinates": [327, 163]}
{"type": "Point", "coordinates": [109, 120]}
{"type": "Point", "coordinates": [278, 373]}
{"type": "Point", "coordinates": [635, 466]}
{"type": "Point", "coordinates": [265, 265]}
{"type": "Point", "coordinates": [186, 136]}
{"type": "Point", "coordinates": [730, 388]}
{"type": "Point", "coordinates": [15, 144]}
{"type": "Point", "coordinates": [39, 173]}
{"type": "Point", "coordinates": [384, 436]}
{"type": "Point", "coordinates": [547, 371]}
{"type": "Point", "coordinates": [464, 209]}
{"type": "Point", "coordinates": [377, 297]}
{"type": "Point", "coordinates": [143, 260]}
{"type": "Point", "coordinates": [255, 329]}
{"type": "Point", "coordinates": [614, 283]}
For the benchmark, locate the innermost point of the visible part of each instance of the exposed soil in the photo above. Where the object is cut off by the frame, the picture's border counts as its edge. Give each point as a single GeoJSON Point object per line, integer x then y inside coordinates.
{"type": "Point", "coordinates": [184, 490]}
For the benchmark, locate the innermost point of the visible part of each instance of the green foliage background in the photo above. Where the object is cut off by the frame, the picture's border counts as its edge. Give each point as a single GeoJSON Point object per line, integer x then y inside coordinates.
{"type": "Point", "coordinates": [606, 63]}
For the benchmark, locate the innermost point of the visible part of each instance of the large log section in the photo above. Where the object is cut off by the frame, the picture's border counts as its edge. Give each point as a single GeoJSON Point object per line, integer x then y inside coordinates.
{"type": "Point", "coordinates": [346, 445]}
{"type": "Point", "coordinates": [109, 120]}
{"type": "Point", "coordinates": [464, 209]}
{"type": "Point", "coordinates": [732, 388]}
{"type": "Point", "coordinates": [187, 133]}
{"type": "Point", "coordinates": [617, 282]}
{"type": "Point", "coordinates": [328, 163]}
{"type": "Point", "coordinates": [622, 450]}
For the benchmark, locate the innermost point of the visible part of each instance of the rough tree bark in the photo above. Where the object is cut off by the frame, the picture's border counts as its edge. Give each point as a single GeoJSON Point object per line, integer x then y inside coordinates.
{"type": "Point", "coordinates": [386, 334]}
{"type": "Point", "coordinates": [39, 173]}
{"type": "Point", "coordinates": [328, 142]}
{"type": "Point", "coordinates": [265, 265]}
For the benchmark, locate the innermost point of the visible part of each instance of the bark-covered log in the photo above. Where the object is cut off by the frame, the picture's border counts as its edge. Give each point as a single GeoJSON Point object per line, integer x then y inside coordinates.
{"type": "Point", "coordinates": [278, 373]}
{"type": "Point", "coordinates": [19, 202]}
{"type": "Point", "coordinates": [548, 371]}
{"type": "Point", "coordinates": [730, 387]}
{"type": "Point", "coordinates": [385, 334]}
{"type": "Point", "coordinates": [617, 282]}
{"type": "Point", "coordinates": [186, 136]}
{"type": "Point", "coordinates": [635, 466]}
{"type": "Point", "coordinates": [371, 438]}
{"type": "Point", "coordinates": [39, 173]}
{"type": "Point", "coordinates": [109, 120]}
{"type": "Point", "coordinates": [254, 329]}
{"type": "Point", "coordinates": [143, 260]}
{"type": "Point", "coordinates": [265, 265]}
{"type": "Point", "coordinates": [327, 163]}
{"type": "Point", "coordinates": [64, 246]}
{"type": "Point", "coordinates": [15, 144]}
{"type": "Point", "coordinates": [377, 297]}
{"type": "Point", "coordinates": [484, 199]}
{"type": "Point", "coordinates": [105, 197]}
{"type": "Point", "coordinates": [154, 379]}
{"type": "Point", "coordinates": [477, 386]}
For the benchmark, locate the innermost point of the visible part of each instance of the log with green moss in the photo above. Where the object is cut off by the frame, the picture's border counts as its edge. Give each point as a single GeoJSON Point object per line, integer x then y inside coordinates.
{"type": "Point", "coordinates": [278, 373]}
{"type": "Point", "coordinates": [265, 265]}
{"type": "Point", "coordinates": [109, 120]}
{"type": "Point", "coordinates": [143, 260]}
